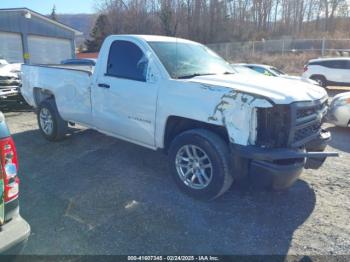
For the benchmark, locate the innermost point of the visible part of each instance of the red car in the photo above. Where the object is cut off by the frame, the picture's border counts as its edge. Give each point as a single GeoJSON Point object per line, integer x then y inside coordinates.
{"type": "Point", "coordinates": [14, 230]}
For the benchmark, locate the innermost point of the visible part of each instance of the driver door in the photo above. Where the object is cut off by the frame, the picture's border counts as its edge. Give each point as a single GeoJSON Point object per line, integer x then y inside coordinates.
{"type": "Point", "coordinates": [123, 101]}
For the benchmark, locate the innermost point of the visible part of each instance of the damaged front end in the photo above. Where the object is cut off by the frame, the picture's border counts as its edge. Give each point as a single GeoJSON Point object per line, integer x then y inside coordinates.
{"type": "Point", "coordinates": [9, 86]}
{"type": "Point", "coordinates": [288, 138]}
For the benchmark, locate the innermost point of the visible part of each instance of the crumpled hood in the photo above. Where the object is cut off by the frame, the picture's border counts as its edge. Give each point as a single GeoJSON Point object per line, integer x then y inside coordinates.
{"type": "Point", "coordinates": [10, 70]}
{"type": "Point", "coordinates": [299, 78]}
{"type": "Point", "coordinates": [279, 90]}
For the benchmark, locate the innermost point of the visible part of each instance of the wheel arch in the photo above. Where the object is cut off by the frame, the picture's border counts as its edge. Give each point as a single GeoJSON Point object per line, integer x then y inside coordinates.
{"type": "Point", "coordinates": [41, 94]}
{"type": "Point", "coordinates": [176, 125]}
{"type": "Point", "coordinates": [317, 75]}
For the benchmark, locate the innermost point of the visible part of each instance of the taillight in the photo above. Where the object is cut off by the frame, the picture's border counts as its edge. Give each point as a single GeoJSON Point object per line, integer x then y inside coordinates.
{"type": "Point", "coordinates": [9, 168]}
{"type": "Point", "coordinates": [305, 68]}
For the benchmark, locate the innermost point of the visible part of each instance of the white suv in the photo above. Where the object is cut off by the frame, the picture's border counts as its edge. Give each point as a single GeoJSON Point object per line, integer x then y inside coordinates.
{"type": "Point", "coordinates": [329, 71]}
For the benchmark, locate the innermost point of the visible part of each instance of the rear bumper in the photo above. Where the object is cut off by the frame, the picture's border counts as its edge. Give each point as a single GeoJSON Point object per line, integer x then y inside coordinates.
{"type": "Point", "coordinates": [279, 168]}
{"type": "Point", "coordinates": [13, 233]}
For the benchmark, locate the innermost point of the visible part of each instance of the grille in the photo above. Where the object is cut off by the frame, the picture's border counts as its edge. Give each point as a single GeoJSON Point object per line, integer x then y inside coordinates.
{"type": "Point", "coordinates": [308, 121]}
{"type": "Point", "coordinates": [306, 132]}
{"type": "Point", "coordinates": [290, 125]}
{"type": "Point", "coordinates": [5, 77]}
{"type": "Point", "coordinates": [308, 111]}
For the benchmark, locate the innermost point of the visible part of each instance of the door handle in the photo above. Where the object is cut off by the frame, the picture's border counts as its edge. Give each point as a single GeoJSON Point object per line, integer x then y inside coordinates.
{"type": "Point", "coordinates": [104, 85]}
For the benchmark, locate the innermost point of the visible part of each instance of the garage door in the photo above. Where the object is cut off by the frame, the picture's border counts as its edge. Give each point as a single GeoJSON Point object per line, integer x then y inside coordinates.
{"type": "Point", "coordinates": [48, 50]}
{"type": "Point", "coordinates": [11, 47]}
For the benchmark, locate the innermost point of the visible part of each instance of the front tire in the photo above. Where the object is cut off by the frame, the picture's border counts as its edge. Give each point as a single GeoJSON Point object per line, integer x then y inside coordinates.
{"type": "Point", "coordinates": [51, 125]}
{"type": "Point", "coordinates": [200, 166]}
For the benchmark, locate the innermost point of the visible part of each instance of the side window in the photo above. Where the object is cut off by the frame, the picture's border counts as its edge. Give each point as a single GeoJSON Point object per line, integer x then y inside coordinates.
{"type": "Point", "coordinates": [339, 64]}
{"type": "Point", "coordinates": [328, 64]}
{"type": "Point", "coordinates": [316, 63]}
{"type": "Point", "coordinates": [262, 70]}
{"type": "Point", "coordinates": [126, 60]}
{"type": "Point", "coordinates": [336, 64]}
{"type": "Point", "coordinates": [343, 64]}
{"type": "Point", "coordinates": [259, 69]}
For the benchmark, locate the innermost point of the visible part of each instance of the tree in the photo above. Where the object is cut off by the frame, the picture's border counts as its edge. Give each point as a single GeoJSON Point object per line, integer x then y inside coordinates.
{"type": "Point", "coordinates": [212, 21]}
{"type": "Point", "coordinates": [53, 15]}
{"type": "Point", "coordinates": [166, 18]}
{"type": "Point", "coordinates": [98, 33]}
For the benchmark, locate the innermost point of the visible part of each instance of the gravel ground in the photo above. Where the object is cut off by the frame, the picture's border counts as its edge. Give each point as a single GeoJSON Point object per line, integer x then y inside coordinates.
{"type": "Point", "coordinates": [93, 194]}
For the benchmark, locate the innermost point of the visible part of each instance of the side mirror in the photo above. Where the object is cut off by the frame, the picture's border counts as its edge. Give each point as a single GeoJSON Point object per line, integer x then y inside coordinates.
{"type": "Point", "coordinates": [152, 75]}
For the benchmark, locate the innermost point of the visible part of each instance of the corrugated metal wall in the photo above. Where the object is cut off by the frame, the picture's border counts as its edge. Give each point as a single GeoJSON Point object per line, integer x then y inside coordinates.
{"type": "Point", "coordinates": [15, 21]}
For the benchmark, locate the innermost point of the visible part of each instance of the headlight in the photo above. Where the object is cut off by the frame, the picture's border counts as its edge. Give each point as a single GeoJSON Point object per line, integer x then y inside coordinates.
{"type": "Point", "coordinates": [342, 102]}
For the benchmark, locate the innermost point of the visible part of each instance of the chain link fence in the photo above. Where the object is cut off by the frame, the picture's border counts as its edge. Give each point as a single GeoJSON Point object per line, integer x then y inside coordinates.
{"type": "Point", "coordinates": [321, 47]}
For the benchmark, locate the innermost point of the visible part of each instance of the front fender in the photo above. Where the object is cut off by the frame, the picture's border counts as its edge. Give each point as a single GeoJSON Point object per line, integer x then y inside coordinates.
{"type": "Point", "coordinates": [237, 113]}
{"type": "Point", "coordinates": [234, 110]}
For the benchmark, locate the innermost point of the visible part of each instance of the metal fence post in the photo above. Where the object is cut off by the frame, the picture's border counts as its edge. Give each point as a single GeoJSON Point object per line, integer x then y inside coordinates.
{"type": "Point", "coordinates": [253, 48]}
{"type": "Point", "coordinates": [323, 46]}
{"type": "Point", "coordinates": [283, 47]}
{"type": "Point", "coordinates": [226, 51]}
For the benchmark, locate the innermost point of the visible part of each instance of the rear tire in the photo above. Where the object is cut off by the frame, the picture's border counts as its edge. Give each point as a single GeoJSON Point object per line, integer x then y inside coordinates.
{"type": "Point", "coordinates": [200, 166]}
{"type": "Point", "coordinates": [51, 125]}
{"type": "Point", "coordinates": [321, 80]}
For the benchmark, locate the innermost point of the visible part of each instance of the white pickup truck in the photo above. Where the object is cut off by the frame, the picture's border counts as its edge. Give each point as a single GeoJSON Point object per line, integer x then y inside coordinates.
{"type": "Point", "coordinates": [166, 93]}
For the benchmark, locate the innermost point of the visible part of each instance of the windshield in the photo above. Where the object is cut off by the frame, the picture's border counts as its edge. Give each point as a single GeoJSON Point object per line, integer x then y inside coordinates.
{"type": "Point", "coordinates": [277, 71]}
{"type": "Point", "coordinates": [185, 60]}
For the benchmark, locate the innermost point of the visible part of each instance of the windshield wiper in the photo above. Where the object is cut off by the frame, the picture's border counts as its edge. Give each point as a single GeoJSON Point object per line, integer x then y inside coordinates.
{"type": "Point", "coordinates": [229, 73]}
{"type": "Point", "coordinates": [193, 75]}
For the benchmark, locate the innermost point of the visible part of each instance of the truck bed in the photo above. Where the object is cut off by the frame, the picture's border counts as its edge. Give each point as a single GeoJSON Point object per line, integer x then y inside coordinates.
{"type": "Point", "coordinates": [69, 84]}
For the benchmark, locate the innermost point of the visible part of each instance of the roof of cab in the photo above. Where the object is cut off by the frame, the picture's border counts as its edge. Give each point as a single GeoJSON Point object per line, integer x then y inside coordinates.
{"type": "Point", "coordinates": [158, 38]}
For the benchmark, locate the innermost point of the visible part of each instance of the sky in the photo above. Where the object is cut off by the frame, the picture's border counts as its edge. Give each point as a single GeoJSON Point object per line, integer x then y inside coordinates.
{"type": "Point", "coordinates": [45, 6]}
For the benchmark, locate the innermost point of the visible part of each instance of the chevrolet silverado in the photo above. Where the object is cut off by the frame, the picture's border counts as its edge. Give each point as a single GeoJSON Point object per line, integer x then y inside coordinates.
{"type": "Point", "coordinates": [215, 124]}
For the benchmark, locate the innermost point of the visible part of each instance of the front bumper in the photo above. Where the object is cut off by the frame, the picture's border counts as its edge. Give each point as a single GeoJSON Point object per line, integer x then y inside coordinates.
{"type": "Point", "coordinates": [8, 91]}
{"type": "Point", "coordinates": [13, 233]}
{"type": "Point", "coordinates": [320, 143]}
{"type": "Point", "coordinates": [279, 168]}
